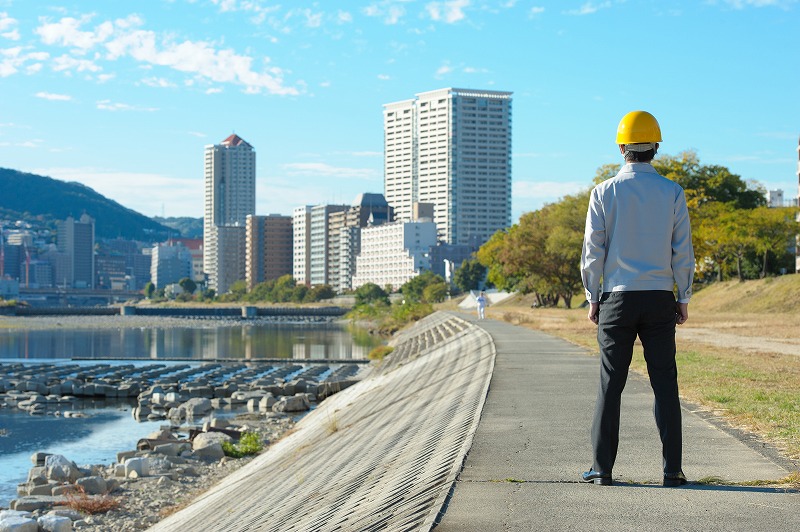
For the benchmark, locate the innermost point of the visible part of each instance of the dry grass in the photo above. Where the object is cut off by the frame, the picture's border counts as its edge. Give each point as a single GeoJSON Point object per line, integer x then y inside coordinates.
{"type": "Point", "coordinates": [91, 504]}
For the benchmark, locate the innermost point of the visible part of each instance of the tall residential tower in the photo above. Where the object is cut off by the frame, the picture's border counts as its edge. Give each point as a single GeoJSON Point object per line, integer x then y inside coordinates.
{"type": "Point", "coordinates": [451, 148]}
{"type": "Point", "coordinates": [230, 196]}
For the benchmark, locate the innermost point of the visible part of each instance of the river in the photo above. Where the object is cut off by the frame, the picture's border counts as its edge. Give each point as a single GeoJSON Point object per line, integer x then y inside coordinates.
{"type": "Point", "coordinates": [109, 426]}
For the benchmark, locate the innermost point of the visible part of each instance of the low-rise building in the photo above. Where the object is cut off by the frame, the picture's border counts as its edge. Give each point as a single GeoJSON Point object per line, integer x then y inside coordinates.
{"type": "Point", "coordinates": [392, 254]}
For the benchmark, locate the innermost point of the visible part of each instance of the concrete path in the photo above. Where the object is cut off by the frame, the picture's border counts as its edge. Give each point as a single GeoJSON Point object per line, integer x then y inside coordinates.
{"type": "Point", "coordinates": [532, 443]}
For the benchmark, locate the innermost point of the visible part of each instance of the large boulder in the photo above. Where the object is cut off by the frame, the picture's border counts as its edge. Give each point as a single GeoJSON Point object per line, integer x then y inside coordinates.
{"type": "Point", "coordinates": [197, 406]}
{"type": "Point", "coordinates": [55, 523]}
{"type": "Point", "coordinates": [208, 445]}
{"type": "Point", "coordinates": [17, 523]}
{"type": "Point", "coordinates": [59, 468]}
{"type": "Point", "coordinates": [93, 485]}
{"type": "Point", "coordinates": [296, 403]}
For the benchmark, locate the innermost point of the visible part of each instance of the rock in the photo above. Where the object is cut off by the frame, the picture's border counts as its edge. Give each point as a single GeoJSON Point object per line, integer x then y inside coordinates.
{"type": "Point", "coordinates": [296, 403]}
{"type": "Point", "coordinates": [267, 402]}
{"type": "Point", "coordinates": [14, 513]}
{"type": "Point", "coordinates": [124, 455]}
{"type": "Point", "coordinates": [18, 524]}
{"type": "Point", "coordinates": [55, 523]}
{"type": "Point", "coordinates": [161, 434]}
{"type": "Point", "coordinates": [197, 406]}
{"type": "Point", "coordinates": [211, 452]}
{"type": "Point", "coordinates": [171, 449]}
{"type": "Point", "coordinates": [37, 458]}
{"type": "Point", "coordinates": [64, 489]}
{"type": "Point", "coordinates": [137, 466]}
{"type": "Point", "coordinates": [93, 485]}
{"type": "Point", "coordinates": [38, 502]}
{"type": "Point", "coordinates": [58, 468]}
{"type": "Point", "coordinates": [216, 423]}
{"type": "Point", "coordinates": [73, 515]}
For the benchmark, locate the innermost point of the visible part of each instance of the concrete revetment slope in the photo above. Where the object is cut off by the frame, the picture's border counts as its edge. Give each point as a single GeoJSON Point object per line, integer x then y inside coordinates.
{"type": "Point", "coordinates": [381, 455]}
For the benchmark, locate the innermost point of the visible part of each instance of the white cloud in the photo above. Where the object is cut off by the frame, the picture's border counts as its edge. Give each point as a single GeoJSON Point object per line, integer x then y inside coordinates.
{"type": "Point", "coordinates": [198, 134]}
{"type": "Point", "coordinates": [108, 105]}
{"type": "Point", "coordinates": [473, 70]}
{"type": "Point", "coordinates": [383, 77]}
{"type": "Point", "coordinates": [450, 11]}
{"type": "Point", "coordinates": [66, 32]}
{"type": "Point", "coordinates": [391, 12]}
{"type": "Point", "coordinates": [66, 63]}
{"type": "Point", "coordinates": [12, 35]}
{"type": "Point", "coordinates": [6, 22]}
{"type": "Point", "coordinates": [125, 38]}
{"type": "Point", "coordinates": [443, 70]}
{"type": "Point", "coordinates": [12, 59]}
{"type": "Point", "coordinates": [536, 11]}
{"type": "Point", "coordinates": [53, 97]}
{"type": "Point", "coordinates": [158, 82]}
{"type": "Point", "coordinates": [588, 8]}
{"type": "Point", "coordinates": [343, 17]}
{"type": "Point", "coordinates": [742, 4]}
{"type": "Point", "coordinates": [213, 90]}
{"type": "Point", "coordinates": [326, 170]}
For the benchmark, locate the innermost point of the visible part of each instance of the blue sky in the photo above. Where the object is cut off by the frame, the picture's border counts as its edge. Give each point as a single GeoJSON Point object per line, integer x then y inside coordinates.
{"type": "Point", "coordinates": [123, 96]}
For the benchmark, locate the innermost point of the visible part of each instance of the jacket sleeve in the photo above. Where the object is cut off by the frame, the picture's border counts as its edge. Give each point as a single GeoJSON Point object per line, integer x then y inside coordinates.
{"type": "Point", "coordinates": [682, 251]}
{"type": "Point", "coordinates": [593, 256]}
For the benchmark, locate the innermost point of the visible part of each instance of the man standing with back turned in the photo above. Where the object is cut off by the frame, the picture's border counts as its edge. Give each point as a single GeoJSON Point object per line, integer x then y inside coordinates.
{"type": "Point", "coordinates": [636, 248]}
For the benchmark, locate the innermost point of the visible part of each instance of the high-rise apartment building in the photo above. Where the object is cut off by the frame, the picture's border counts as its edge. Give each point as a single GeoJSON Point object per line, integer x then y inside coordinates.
{"type": "Point", "coordinates": [301, 244]}
{"type": "Point", "coordinates": [452, 148]}
{"type": "Point", "coordinates": [230, 196]}
{"type": "Point", "coordinates": [171, 262]}
{"type": "Point", "coordinates": [319, 236]}
{"type": "Point", "coordinates": [76, 241]}
{"type": "Point", "coordinates": [268, 248]}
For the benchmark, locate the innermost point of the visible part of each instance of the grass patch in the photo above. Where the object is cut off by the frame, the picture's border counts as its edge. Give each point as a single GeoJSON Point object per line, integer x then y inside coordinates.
{"type": "Point", "coordinates": [380, 352]}
{"type": "Point", "coordinates": [249, 444]}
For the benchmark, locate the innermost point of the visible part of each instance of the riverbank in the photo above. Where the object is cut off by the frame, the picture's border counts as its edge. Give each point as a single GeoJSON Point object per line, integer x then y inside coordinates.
{"type": "Point", "coordinates": [139, 501]}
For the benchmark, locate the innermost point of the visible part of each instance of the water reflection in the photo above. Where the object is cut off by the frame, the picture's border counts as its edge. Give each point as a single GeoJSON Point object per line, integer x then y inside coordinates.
{"type": "Point", "coordinates": [244, 342]}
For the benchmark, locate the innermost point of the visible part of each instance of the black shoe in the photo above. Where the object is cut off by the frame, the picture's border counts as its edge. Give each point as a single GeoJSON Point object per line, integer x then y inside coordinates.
{"type": "Point", "coordinates": [604, 479]}
{"type": "Point", "coordinates": [672, 480]}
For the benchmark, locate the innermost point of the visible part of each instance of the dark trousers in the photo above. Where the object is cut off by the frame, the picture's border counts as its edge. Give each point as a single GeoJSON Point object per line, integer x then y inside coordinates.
{"type": "Point", "coordinates": [623, 316]}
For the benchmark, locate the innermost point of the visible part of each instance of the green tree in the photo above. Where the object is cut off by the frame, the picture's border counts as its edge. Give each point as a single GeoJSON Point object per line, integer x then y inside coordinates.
{"type": "Point", "coordinates": [775, 230]}
{"type": "Point", "coordinates": [318, 293]}
{"type": "Point", "coordinates": [149, 290]}
{"type": "Point", "coordinates": [413, 289]}
{"type": "Point", "coordinates": [371, 293]}
{"type": "Point", "coordinates": [188, 285]}
{"type": "Point", "coordinates": [435, 292]}
{"type": "Point", "coordinates": [469, 275]}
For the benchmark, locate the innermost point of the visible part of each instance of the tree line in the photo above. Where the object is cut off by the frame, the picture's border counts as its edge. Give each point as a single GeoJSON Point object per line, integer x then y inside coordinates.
{"type": "Point", "coordinates": [734, 233]}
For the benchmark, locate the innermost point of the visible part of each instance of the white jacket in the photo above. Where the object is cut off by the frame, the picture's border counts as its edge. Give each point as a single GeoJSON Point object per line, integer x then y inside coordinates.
{"type": "Point", "coordinates": [637, 235]}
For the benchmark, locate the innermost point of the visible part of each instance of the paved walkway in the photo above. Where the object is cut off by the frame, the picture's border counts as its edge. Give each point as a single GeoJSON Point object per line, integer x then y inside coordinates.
{"type": "Point", "coordinates": [532, 442]}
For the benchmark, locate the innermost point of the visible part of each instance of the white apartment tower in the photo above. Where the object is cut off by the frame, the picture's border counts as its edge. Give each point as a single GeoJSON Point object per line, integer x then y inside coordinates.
{"type": "Point", "coordinates": [451, 148]}
{"type": "Point", "coordinates": [230, 195]}
{"type": "Point", "coordinates": [301, 245]}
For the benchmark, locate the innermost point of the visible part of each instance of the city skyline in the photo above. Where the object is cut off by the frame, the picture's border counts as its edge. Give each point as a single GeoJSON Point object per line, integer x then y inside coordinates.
{"type": "Point", "coordinates": [124, 99]}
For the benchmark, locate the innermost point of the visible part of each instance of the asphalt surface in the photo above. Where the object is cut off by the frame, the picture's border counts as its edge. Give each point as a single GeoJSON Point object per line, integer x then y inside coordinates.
{"type": "Point", "coordinates": [532, 443]}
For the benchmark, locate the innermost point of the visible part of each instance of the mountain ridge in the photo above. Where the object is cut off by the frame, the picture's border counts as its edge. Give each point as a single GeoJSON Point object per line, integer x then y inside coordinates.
{"type": "Point", "coordinates": [35, 195]}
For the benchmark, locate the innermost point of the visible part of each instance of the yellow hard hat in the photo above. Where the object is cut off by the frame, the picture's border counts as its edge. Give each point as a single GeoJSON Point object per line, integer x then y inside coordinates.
{"type": "Point", "coordinates": [638, 127]}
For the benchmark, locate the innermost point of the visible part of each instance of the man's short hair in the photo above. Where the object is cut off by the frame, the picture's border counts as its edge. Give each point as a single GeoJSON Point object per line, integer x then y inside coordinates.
{"type": "Point", "coordinates": [640, 153]}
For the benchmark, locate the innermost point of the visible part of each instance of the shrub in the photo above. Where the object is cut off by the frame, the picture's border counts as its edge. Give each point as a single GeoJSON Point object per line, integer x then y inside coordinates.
{"type": "Point", "coordinates": [250, 443]}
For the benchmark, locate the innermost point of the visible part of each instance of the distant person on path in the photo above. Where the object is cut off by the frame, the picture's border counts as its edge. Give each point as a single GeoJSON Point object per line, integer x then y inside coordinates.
{"type": "Point", "coordinates": [481, 301]}
{"type": "Point", "coordinates": [637, 247]}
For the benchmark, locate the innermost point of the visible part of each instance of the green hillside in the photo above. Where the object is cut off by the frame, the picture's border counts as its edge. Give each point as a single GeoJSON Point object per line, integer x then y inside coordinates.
{"type": "Point", "coordinates": [31, 195]}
